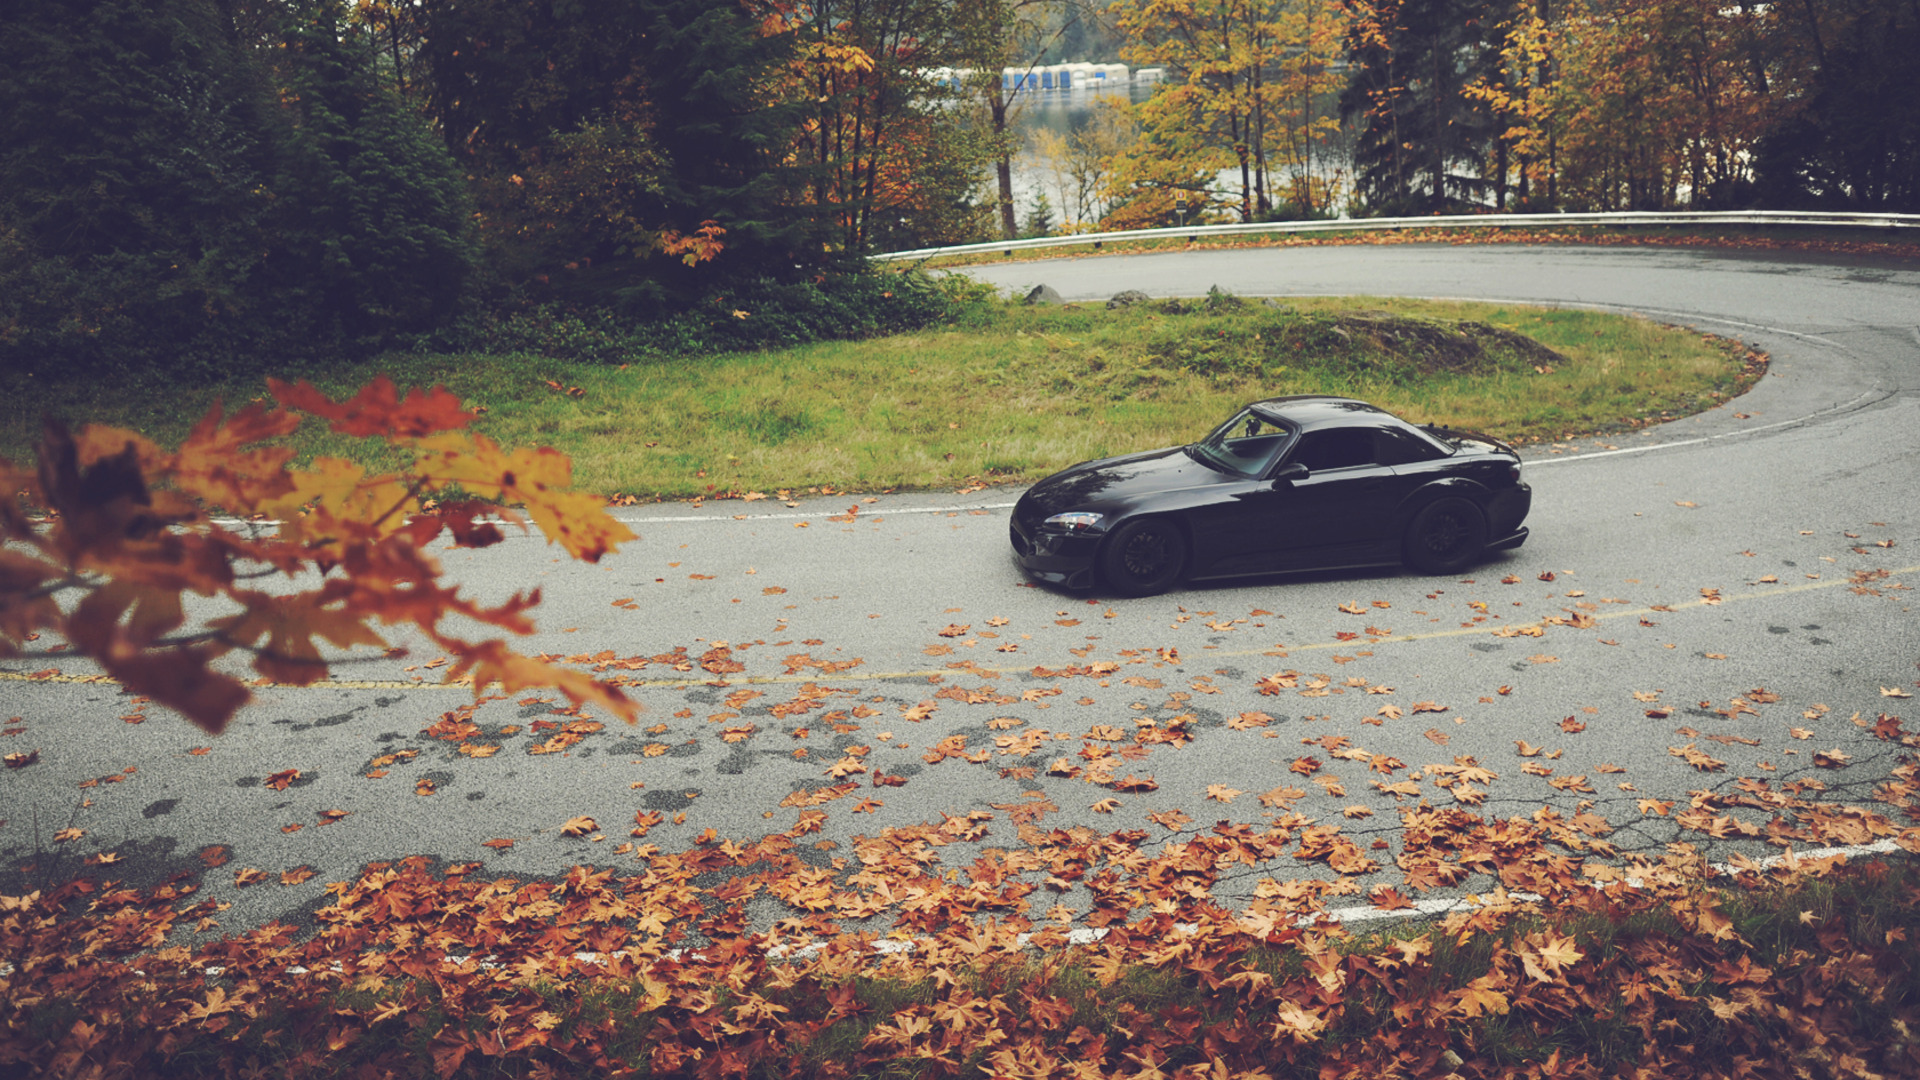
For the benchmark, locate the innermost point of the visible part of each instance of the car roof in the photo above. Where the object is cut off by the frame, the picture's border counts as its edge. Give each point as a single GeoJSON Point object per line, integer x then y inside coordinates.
{"type": "Point", "coordinates": [1306, 411]}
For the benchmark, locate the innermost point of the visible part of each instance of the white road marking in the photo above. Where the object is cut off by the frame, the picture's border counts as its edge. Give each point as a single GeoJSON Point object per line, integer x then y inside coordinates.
{"type": "Point", "coordinates": [875, 510]}
{"type": "Point", "coordinates": [1534, 463]}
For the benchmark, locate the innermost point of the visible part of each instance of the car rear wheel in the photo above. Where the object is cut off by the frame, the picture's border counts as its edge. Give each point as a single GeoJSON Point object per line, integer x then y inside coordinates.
{"type": "Point", "coordinates": [1446, 536]}
{"type": "Point", "coordinates": [1144, 556]}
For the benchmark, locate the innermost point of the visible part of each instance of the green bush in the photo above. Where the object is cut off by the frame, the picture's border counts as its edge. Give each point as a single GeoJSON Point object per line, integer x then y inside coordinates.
{"type": "Point", "coordinates": [754, 315]}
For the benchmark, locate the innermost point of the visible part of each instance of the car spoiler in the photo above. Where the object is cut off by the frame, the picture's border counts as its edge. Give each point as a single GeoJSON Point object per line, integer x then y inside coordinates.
{"type": "Point", "coordinates": [1439, 432]}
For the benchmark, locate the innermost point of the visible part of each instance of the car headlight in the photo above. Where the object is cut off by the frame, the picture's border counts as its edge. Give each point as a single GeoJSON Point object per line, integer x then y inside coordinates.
{"type": "Point", "coordinates": [1078, 521]}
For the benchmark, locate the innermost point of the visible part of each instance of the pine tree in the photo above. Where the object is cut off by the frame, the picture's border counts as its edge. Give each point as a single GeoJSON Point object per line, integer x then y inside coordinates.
{"type": "Point", "coordinates": [193, 186]}
{"type": "Point", "coordinates": [372, 227]}
{"type": "Point", "coordinates": [602, 135]}
{"type": "Point", "coordinates": [135, 162]}
{"type": "Point", "coordinates": [1422, 143]}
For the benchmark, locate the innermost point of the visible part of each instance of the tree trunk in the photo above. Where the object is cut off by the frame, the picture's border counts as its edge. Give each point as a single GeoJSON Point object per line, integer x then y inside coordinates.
{"type": "Point", "coordinates": [997, 105]}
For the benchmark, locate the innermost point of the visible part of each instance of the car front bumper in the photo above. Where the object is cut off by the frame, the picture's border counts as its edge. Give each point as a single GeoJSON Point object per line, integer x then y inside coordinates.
{"type": "Point", "coordinates": [1510, 541]}
{"type": "Point", "coordinates": [1057, 558]}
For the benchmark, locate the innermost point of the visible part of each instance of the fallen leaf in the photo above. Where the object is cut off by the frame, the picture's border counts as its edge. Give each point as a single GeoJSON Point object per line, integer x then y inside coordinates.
{"type": "Point", "coordinates": [579, 826]}
{"type": "Point", "coordinates": [1222, 793]}
{"type": "Point", "coordinates": [1170, 819]}
{"type": "Point", "coordinates": [279, 781]}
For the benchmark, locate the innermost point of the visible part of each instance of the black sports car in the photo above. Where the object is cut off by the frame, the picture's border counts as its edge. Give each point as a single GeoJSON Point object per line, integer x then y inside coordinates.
{"type": "Point", "coordinates": [1291, 483]}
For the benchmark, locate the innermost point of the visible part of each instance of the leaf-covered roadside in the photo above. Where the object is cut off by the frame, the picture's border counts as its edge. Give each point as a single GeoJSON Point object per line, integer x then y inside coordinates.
{"type": "Point", "coordinates": [1807, 969]}
{"type": "Point", "coordinates": [1739, 238]}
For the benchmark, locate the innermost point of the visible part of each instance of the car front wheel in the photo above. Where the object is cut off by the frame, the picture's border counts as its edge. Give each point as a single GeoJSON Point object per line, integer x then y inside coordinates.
{"type": "Point", "coordinates": [1144, 556]}
{"type": "Point", "coordinates": [1446, 536]}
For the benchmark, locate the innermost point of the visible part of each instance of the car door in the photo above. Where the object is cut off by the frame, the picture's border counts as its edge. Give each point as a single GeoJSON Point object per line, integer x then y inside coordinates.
{"type": "Point", "coordinates": [1229, 533]}
{"type": "Point", "coordinates": [1336, 514]}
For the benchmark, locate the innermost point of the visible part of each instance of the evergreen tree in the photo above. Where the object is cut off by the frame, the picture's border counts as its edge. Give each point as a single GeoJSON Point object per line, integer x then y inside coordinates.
{"type": "Point", "coordinates": [1422, 144]}
{"type": "Point", "coordinates": [192, 186]}
{"type": "Point", "coordinates": [372, 230]}
{"type": "Point", "coordinates": [1854, 142]}
{"type": "Point", "coordinates": [135, 164]}
{"type": "Point", "coordinates": [604, 135]}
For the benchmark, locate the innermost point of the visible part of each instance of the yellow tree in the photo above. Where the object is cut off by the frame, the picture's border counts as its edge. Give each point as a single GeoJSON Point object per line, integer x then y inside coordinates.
{"type": "Point", "coordinates": [881, 149]}
{"type": "Point", "coordinates": [1636, 105]}
{"type": "Point", "coordinates": [1519, 93]}
{"type": "Point", "coordinates": [1165, 174]}
{"type": "Point", "coordinates": [1312, 36]}
{"type": "Point", "coordinates": [1218, 53]}
{"type": "Point", "coordinates": [1250, 77]}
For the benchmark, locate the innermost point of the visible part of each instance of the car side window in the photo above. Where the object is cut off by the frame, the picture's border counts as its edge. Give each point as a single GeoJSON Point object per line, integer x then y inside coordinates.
{"type": "Point", "coordinates": [1335, 448]}
{"type": "Point", "coordinates": [1391, 446]}
{"type": "Point", "coordinates": [1252, 444]}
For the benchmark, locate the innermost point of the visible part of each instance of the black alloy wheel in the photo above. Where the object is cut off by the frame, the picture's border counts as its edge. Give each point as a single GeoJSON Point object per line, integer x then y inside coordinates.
{"type": "Point", "coordinates": [1144, 556]}
{"type": "Point", "coordinates": [1446, 536]}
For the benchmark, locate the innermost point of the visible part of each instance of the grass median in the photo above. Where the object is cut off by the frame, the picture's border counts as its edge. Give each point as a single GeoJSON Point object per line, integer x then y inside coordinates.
{"type": "Point", "coordinates": [1007, 392]}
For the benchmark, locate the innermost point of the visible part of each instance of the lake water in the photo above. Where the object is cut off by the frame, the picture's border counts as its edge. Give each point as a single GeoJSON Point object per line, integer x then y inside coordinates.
{"type": "Point", "coordinates": [1062, 112]}
{"type": "Point", "coordinates": [1066, 112]}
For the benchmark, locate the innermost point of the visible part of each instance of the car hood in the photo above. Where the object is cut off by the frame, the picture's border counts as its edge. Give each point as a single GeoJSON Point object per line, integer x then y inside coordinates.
{"type": "Point", "coordinates": [1110, 481]}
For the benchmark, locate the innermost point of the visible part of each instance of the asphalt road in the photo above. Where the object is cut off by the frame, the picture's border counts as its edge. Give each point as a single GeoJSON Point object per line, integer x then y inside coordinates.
{"type": "Point", "coordinates": [1779, 503]}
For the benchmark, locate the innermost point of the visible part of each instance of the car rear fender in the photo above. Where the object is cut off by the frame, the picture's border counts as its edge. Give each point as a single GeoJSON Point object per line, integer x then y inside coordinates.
{"type": "Point", "coordinates": [1459, 486]}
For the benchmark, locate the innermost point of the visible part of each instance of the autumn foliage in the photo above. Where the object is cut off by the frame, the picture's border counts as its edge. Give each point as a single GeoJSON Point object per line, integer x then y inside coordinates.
{"type": "Point", "coordinates": [117, 546]}
{"type": "Point", "coordinates": [1805, 969]}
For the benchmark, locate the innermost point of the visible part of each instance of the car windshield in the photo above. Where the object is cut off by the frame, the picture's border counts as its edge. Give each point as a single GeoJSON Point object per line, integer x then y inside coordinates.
{"type": "Point", "coordinates": [1246, 445]}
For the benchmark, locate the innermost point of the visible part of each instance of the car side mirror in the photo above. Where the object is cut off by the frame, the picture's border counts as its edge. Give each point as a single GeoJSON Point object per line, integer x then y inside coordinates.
{"type": "Point", "coordinates": [1289, 473]}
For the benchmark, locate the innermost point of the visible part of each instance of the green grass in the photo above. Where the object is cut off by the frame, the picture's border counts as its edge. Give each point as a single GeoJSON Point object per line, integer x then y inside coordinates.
{"type": "Point", "coordinates": [1009, 394]}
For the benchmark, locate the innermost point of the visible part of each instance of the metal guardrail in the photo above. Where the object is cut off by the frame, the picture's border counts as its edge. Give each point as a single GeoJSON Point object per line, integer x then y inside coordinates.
{"type": "Point", "coordinates": [1821, 219]}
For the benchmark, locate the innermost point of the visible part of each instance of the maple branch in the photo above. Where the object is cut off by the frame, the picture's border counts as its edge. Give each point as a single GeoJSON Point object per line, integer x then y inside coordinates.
{"type": "Point", "coordinates": [413, 493]}
{"type": "Point", "coordinates": [71, 581]}
{"type": "Point", "coordinates": [133, 532]}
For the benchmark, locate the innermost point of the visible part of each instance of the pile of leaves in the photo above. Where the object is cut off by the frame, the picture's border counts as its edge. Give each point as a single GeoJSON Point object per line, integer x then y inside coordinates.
{"type": "Point", "coordinates": [1561, 969]}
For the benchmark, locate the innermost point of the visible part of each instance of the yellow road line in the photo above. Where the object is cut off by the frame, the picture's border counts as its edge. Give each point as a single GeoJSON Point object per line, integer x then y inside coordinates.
{"type": "Point", "coordinates": [762, 680]}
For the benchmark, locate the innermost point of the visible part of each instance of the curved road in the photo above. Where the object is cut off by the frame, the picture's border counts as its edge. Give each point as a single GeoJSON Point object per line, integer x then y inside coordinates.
{"type": "Point", "coordinates": [1743, 572]}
